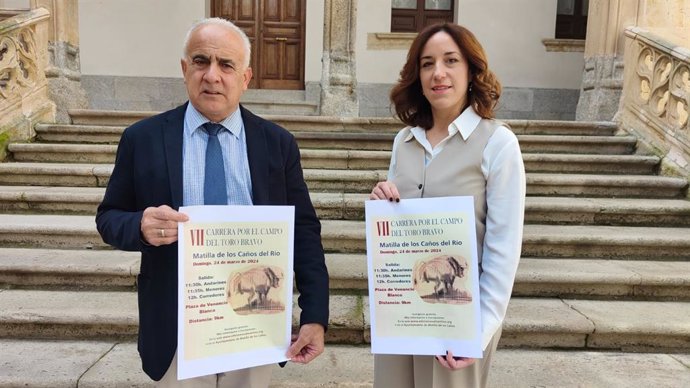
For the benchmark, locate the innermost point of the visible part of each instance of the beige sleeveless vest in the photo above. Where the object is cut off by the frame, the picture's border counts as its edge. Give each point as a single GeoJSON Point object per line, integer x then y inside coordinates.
{"type": "Point", "coordinates": [455, 171]}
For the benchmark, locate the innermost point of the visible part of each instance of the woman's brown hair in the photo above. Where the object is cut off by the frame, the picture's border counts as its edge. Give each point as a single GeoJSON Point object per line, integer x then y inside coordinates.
{"type": "Point", "coordinates": [406, 96]}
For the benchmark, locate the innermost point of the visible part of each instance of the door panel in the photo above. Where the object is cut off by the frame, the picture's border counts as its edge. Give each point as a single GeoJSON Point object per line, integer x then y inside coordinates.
{"type": "Point", "coordinates": [247, 10]}
{"type": "Point", "coordinates": [276, 31]}
{"type": "Point", "coordinates": [271, 10]}
{"type": "Point", "coordinates": [292, 58]}
{"type": "Point", "coordinates": [271, 57]}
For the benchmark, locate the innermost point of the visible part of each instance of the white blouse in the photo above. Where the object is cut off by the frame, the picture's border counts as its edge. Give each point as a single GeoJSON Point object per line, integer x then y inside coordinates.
{"type": "Point", "coordinates": [504, 172]}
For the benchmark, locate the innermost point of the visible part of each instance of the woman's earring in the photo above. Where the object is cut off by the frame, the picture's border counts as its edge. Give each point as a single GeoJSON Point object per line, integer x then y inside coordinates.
{"type": "Point", "coordinates": [470, 88]}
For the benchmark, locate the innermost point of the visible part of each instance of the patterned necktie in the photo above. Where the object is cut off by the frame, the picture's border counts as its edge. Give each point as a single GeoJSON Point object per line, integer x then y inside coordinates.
{"type": "Point", "coordinates": [214, 175]}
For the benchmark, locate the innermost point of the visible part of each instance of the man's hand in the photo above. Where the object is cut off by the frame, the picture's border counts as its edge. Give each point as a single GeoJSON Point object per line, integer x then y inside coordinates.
{"type": "Point", "coordinates": [307, 345]}
{"type": "Point", "coordinates": [159, 225]}
{"type": "Point", "coordinates": [454, 363]}
{"type": "Point", "coordinates": [385, 190]}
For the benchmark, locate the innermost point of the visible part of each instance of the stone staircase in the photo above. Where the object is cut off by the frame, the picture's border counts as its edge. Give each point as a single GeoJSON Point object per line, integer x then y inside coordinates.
{"type": "Point", "coordinates": [602, 294]}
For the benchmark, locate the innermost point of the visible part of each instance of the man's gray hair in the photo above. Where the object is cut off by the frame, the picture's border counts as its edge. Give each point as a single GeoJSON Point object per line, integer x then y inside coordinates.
{"type": "Point", "coordinates": [223, 23]}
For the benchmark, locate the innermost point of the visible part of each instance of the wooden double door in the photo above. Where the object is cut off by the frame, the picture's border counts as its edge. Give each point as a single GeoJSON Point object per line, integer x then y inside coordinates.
{"type": "Point", "coordinates": [276, 31]}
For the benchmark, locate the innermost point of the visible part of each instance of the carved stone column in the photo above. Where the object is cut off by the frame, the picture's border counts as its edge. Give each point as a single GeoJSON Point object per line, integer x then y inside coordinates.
{"type": "Point", "coordinates": [63, 70]}
{"type": "Point", "coordinates": [339, 74]}
{"type": "Point", "coordinates": [602, 80]}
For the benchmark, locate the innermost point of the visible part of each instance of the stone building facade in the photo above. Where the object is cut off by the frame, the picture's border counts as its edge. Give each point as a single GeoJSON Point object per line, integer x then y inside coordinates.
{"type": "Point", "coordinates": [633, 66]}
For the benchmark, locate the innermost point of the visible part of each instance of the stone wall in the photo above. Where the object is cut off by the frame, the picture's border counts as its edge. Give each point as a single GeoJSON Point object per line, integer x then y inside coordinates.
{"type": "Point", "coordinates": [515, 103]}
{"type": "Point", "coordinates": [160, 93]}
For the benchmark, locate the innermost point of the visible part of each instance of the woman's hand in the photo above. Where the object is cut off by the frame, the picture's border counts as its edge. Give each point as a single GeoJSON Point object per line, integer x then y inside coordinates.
{"type": "Point", "coordinates": [385, 190]}
{"type": "Point", "coordinates": [454, 363]}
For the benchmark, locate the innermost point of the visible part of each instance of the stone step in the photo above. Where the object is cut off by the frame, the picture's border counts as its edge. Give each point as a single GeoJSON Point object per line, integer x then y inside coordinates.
{"type": "Point", "coordinates": [604, 145]}
{"type": "Point", "coordinates": [549, 210]}
{"type": "Point", "coordinates": [352, 367]}
{"type": "Point", "coordinates": [55, 174]}
{"type": "Point", "coordinates": [73, 269]}
{"type": "Point", "coordinates": [596, 324]}
{"type": "Point", "coordinates": [539, 184]}
{"type": "Point", "coordinates": [96, 133]}
{"type": "Point", "coordinates": [608, 211]}
{"type": "Point", "coordinates": [591, 164]}
{"type": "Point", "coordinates": [49, 231]}
{"type": "Point", "coordinates": [262, 107]}
{"type": "Point", "coordinates": [391, 125]}
{"type": "Point", "coordinates": [101, 364]}
{"type": "Point", "coordinates": [351, 159]}
{"type": "Point", "coordinates": [574, 241]}
{"type": "Point", "coordinates": [63, 153]}
{"type": "Point", "coordinates": [581, 241]}
{"type": "Point", "coordinates": [382, 141]}
{"type": "Point", "coordinates": [50, 199]}
{"type": "Point", "coordinates": [285, 102]}
{"type": "Point", "coordinates": [585, 278]}
{"type": "Point", "coordinates": [609, 242]}
{"type": "Point", "coordinates": [84, 134]}
{"type": "Point", "coordinates": [556, 210]}
{"type": "Point", "coordinates": [637, 186]}
{"type": "Point", "coordinates": [602, 279]}
{"type": "Point", "coordinates": [52, 314]}
{"type": "Point", "coordinates": [558, 277]}
{"type": "Point", "coordinates": [273, 95]}
{"type": "Point", "coordinates": [354, 181]}
{"type": "Point", "coordinates": [530, 322]}
{"type": "Point", "coordinates": [107, 117]}
{"type": "Point", "coordinates": [357, 124]}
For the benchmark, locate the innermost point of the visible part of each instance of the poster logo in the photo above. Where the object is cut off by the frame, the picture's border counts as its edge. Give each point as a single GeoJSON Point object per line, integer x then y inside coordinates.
{"type": "Point", "coordinates": [197, 236]}
{"type": "Point", "coordinates": [383, 228]}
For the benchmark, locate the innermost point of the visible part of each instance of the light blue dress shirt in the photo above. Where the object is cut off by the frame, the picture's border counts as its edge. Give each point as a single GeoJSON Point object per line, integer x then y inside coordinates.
{"type": "Point", "coordinates": [234, 144]}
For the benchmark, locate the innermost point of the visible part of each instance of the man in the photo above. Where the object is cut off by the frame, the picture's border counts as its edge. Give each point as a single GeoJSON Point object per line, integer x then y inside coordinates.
{"type": "Point", "coordinates": [160, 165]}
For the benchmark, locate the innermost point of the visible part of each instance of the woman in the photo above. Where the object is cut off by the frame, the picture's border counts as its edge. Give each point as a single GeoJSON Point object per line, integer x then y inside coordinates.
{"type": "Point", "coordinates": [446, 95]}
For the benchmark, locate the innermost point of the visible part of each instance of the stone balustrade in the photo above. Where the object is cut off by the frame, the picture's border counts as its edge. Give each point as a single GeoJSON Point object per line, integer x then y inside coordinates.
{"type": "Point", "coordinates": [24, 98]}
{"type": "Point", "coordinates": [656, 97]}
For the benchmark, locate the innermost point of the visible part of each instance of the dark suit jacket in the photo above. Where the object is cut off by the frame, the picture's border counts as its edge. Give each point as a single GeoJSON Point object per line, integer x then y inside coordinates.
{"type": "Point", "coordinates": [148, 172]}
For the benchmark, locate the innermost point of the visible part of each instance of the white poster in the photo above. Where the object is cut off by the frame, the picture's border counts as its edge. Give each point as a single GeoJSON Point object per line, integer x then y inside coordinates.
{"type": "Point", "coordinates": [235, 287]}
{"type": "Point", "coordinates": [423, 277]}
